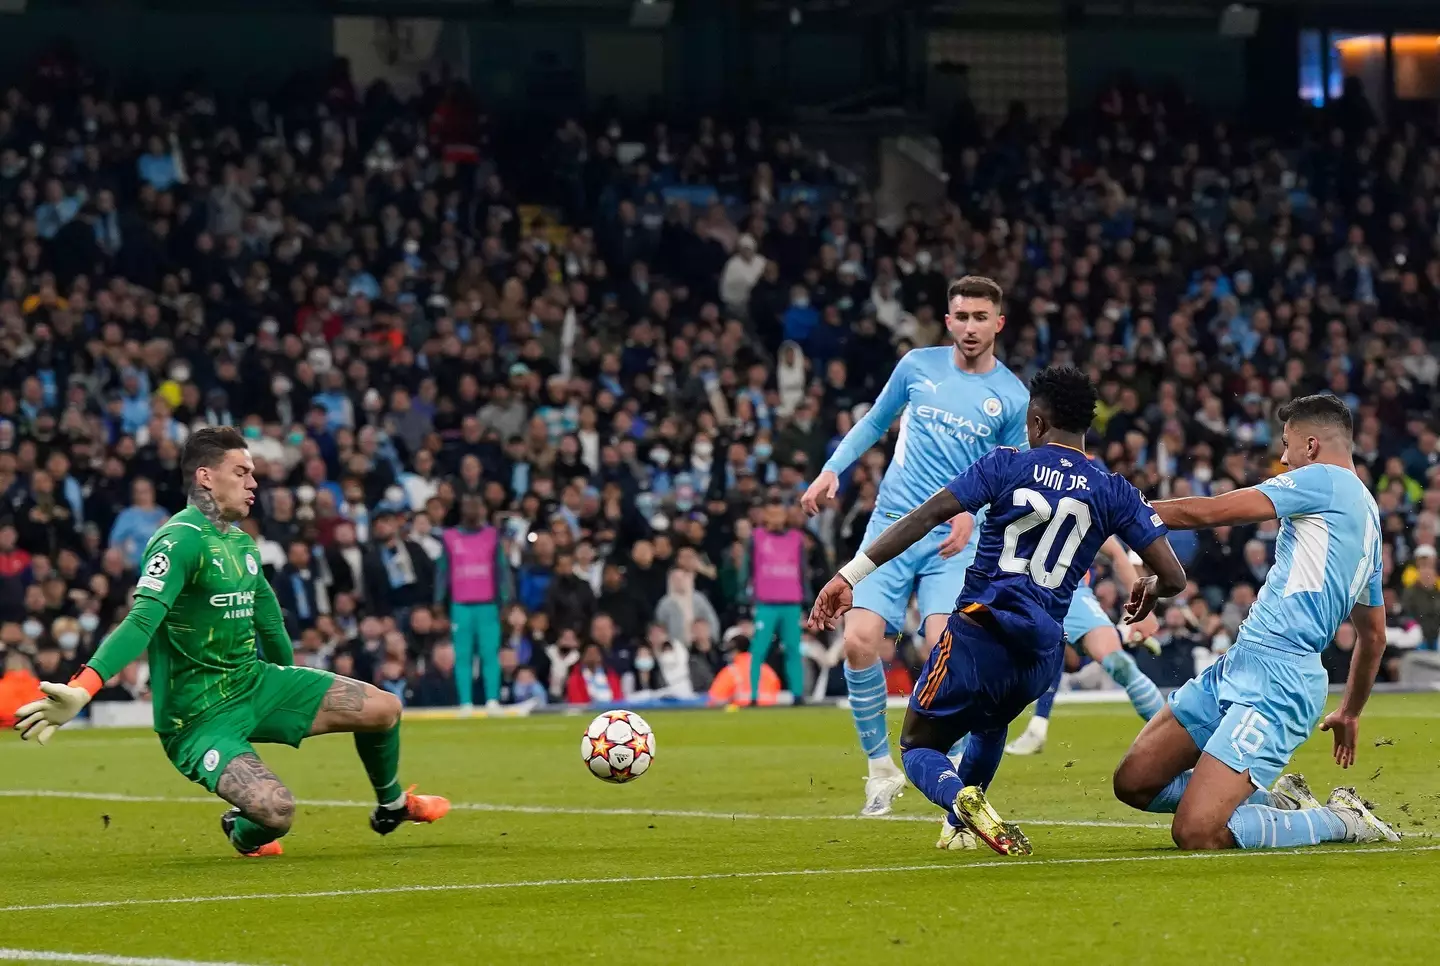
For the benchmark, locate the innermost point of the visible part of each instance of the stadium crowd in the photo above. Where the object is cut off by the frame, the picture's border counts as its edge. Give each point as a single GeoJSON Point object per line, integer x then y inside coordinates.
{"type": "Point", "coordinates": [620, 363]}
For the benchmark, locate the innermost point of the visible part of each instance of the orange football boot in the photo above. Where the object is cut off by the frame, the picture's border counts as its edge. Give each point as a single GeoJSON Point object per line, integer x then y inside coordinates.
{"type": "Point", "coordinates": [422, 809]}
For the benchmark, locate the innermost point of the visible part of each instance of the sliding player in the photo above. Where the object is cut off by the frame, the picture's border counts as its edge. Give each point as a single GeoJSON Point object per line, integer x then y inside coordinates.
{"type": "Point", "coordinates": [1228, 734]}
{"type": "Point", "coordinates": [200, 603]}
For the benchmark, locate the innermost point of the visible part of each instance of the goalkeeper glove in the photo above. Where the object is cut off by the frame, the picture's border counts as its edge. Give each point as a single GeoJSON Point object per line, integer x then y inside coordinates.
{"type": "Point", "coordinates": [62, 702]}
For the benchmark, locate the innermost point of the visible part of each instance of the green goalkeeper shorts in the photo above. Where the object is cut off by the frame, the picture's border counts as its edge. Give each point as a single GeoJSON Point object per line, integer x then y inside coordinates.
{"type": "Point", "coordinates": [280, 711]}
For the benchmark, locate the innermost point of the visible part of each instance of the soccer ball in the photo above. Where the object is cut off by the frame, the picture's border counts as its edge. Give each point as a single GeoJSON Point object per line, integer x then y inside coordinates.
{"type": "Point", "coordinates": [618, 746]}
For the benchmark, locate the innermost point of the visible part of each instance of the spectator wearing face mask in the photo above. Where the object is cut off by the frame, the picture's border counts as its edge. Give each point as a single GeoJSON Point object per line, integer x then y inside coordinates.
{"type": "Point", "coordinates": [89, 624]}
{"type": "Point", "coordinates": [563, 657]}
{"type": "Point", "coordinates": [647, 682]}
{"type": "Point", "coordinates": [672, 662]}
{"type": "Point", "coordinates": [65, 632]}
{"type": "Point", "coordinates": [801, 317]}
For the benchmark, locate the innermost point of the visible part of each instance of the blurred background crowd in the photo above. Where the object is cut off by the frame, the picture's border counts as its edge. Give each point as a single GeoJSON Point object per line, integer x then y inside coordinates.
{"type": "Point", "coordinates": [624, 335]}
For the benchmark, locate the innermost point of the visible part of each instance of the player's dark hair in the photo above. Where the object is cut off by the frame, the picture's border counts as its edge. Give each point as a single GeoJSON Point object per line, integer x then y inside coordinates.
{"type": "Point", "coordinates": [975, 287]}
{"type": "Point", "coordinates": [1068, 395]}
{"type": "Point", "coordinates": [207, 447]}
{"type": "Point", "coordinates": [1321, 409]}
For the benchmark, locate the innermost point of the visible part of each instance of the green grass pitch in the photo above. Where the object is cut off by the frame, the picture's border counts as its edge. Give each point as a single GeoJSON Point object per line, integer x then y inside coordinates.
{"type": "Point", "coordinates": [737, 847]}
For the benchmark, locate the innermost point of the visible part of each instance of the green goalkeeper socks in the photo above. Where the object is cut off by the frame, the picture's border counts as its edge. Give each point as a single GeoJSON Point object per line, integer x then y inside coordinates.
{"type": "Point", "coordinates": [247, 836]}
{"type": "Point", "coordinates": [380, 754]}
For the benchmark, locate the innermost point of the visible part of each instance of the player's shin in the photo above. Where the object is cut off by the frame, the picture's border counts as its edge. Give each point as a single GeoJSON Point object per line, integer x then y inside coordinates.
{"type": "Point", "coordinates": [379, 752]}
{"type": "Point", "coordinates": [1263, 827]}
{"type": "Point", "coordinates": [983, 751]}
{"type": "Point", "coordinates": [867, 706]}
{"type": "Point", "coordinates": [1144, 695]}
{"type": "Point", "coordinates": [931, 772]}
{"type": "Point", "coordinates": [249, 837]}
{"type": "Point", "coordinates": [1046, 701]}
{"type": "Point", "coordinates": [1032, 739]}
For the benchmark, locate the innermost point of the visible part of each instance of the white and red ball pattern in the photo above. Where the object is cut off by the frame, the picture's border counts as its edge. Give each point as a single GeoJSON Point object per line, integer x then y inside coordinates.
{"type": "Point", "coordinates": [618, 746]}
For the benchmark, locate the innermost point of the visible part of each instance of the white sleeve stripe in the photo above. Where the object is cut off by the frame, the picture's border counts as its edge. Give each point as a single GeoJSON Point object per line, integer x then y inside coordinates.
{"type": "Point", "coordinates": [182, 523]}
{"type": "Point", "coordinates": [1309, 554]}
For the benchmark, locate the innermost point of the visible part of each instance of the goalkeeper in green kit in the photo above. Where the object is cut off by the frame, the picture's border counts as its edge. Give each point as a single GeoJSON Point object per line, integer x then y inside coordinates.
{"type": "Point", "coordinates": [201, 603]}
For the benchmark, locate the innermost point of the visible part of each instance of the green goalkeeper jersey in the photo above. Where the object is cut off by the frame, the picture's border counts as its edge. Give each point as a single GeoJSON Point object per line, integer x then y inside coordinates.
{"type": "Point", "coordinates": [205, 590]}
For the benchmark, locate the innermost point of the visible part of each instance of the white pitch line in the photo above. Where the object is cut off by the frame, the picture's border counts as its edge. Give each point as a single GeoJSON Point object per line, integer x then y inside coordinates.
{"type": "Point", "coordinates": [50, 956]}
{"type": "Point", "coordinates": [709, 877]}
{"type": "Point", "coordinates": [564, 810]}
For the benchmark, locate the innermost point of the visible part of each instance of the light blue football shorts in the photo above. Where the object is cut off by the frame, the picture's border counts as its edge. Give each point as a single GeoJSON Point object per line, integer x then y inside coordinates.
{"type": "Point", "coordinates": [1085, 615]}
{"type": "Point", "coordinates": [921, 571]}
{"type": "Point", "coordinates": [1254, 707]}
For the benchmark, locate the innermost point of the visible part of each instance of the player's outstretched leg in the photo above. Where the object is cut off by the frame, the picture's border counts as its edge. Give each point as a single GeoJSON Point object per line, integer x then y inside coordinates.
{"type": "Point", "coordinates": [373, 716]}
{"type": "Point", "coordinates": [1216, 813]}
{"type": "Point", "coordinates": [1032, 739]}
{"type": "Point", "coordinates": [263, 807]}
{"type": "Point", "coordinates": [933, 773]}
{"type": "Point", "coordinates": [983, 751]}
{"type": "Point", "coordinates": [975, 758]}
{"type": "Point", "coordinates": [1346, 817]}
{"type": "Point", "coordinates": [865, 679]}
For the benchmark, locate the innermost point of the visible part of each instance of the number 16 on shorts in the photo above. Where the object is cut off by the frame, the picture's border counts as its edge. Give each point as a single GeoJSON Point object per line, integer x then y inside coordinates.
{"type": "Point", "coordinates": [1249, 735]}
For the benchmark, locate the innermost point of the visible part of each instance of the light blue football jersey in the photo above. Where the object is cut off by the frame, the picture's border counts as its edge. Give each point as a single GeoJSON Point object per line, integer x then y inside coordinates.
{"type": "Point", "coordinates": [948, 420]}
{"type": "Point", "coordinates": [1327, 559]}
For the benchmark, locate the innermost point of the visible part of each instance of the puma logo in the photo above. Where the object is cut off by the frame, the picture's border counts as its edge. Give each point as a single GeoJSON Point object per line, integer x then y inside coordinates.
{"type": "Point", "coordinates": [218, 565]}
{"type": "Point", "coordinates": [933, 386]}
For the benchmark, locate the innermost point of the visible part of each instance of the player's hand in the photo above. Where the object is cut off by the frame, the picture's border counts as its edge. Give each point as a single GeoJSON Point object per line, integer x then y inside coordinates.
{"type": "Point", "coordinates": [826, 485]}
{"type": "Point", "coordinates": [1346, 729]}
{"type": "Point", "coordinates": [1142, 599]}
{"type": "Point", "coordinates": [1142, 634]}
{"type": "Point", "coordinates": [835, 598]}
{"type": "Point", "coordinates": [39, 719]}
{"type": "Point", "coordinates": [1145, 627]}
{"type": "Point", "coordinates": [961, 526]}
